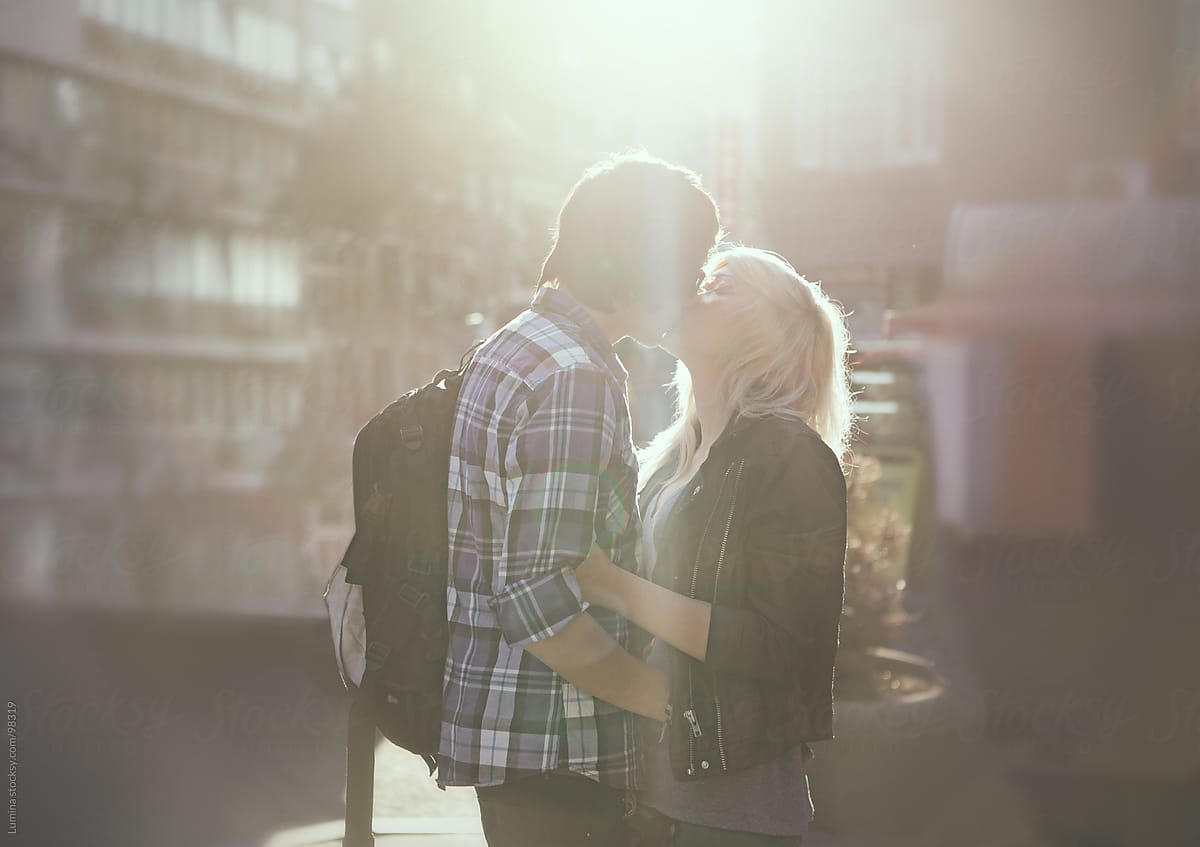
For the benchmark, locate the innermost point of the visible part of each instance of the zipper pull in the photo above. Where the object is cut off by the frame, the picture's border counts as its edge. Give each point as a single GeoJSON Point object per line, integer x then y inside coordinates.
{"type": "Point", "coordinates": [691, 719]}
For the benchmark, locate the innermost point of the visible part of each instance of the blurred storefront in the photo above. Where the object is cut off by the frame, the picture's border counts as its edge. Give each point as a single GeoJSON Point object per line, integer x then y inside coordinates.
{"type": "Point", "coordinates": [1061, 373]}
{"type": "Point", "coordinates": [1011, 211]}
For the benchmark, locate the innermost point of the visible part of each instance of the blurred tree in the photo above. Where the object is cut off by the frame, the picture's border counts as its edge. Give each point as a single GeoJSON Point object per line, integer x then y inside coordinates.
{"type": "Point", "coordinates": [378, 154]}
{"type": "Point", "coordinates": [873, 612]}
{"type": "Point", "coordinates": [386, 195]}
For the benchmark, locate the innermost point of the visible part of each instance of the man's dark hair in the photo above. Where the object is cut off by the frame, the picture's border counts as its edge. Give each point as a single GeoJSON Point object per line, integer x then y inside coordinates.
{"type": "Point", "coordinates": [631, 232]}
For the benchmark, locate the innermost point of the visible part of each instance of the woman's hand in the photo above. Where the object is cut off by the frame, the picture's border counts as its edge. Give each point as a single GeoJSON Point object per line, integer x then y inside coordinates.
{"type": "Point", "coordinates": [680, 621]}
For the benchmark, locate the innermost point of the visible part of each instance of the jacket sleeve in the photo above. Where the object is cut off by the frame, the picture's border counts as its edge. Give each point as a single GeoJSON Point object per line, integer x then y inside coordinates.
{"type": "Point", "coordinates": [794, 553]}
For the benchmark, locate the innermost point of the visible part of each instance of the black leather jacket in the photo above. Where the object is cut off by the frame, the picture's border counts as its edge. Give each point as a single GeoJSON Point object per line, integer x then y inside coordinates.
{"type": "Point", "coordinates": [760, 533]}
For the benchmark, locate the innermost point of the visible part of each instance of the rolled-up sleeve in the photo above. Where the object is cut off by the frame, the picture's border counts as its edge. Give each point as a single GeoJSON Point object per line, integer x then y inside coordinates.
{"type": "Point", "coordinates": [554, 468]}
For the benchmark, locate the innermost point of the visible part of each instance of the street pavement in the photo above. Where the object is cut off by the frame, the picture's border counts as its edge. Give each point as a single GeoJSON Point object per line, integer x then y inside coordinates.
{"type": "Point", "coordinates": [138, 729]}
{"type": "Point", "coordinates": [145, 730]}
{"type": "Point", "coordinates": [152, 730]}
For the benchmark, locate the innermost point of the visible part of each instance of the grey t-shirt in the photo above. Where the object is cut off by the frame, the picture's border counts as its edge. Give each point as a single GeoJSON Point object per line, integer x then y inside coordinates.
{"type": "Point", "coordinates": [771, 798]}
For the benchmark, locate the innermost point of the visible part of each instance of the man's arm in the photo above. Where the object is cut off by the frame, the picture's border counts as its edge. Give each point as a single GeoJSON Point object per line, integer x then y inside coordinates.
{"type": "Point", "coordinates": [561, 445]}
{"type": "Point", "coordinates": [588, 657]}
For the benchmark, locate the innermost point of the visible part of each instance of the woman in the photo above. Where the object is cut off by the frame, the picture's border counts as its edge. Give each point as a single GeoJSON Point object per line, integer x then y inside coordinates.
{"type": "Point", "coordinates": [744, 509]}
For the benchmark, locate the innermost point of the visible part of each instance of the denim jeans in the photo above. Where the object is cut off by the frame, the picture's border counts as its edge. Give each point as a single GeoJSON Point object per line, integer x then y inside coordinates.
{"type": "Point", "coordinates": [653, 829]}
{"type": "Point", "coordinates": [553, 810]}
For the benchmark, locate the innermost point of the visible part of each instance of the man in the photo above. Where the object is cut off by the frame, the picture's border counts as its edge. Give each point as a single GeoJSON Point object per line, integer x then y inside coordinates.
{"type": "Point", "coordinates": [541, 690]}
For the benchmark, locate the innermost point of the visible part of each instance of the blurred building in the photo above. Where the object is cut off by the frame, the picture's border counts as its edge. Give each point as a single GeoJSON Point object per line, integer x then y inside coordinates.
{"type": "Point", "coordinates": [878, 122]}
{"type": "Point", "coordinates": [153, 326]}
{"type": "Point", "coordinates": [189, 349]}
{"type": "Point", "coordinates": [1035, 170]}
{"type": "Point", "coordinates": [853, 188]}
{"type": "Point", "coordinates": [911, 148]}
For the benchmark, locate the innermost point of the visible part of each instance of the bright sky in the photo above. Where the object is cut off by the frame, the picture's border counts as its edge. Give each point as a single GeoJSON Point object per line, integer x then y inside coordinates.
{"type": "Point", "coordinates": [658, 67]}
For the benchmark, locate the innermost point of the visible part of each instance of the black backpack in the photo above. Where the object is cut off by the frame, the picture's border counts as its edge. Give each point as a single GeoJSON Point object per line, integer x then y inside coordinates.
{"type": "Point", "coordinates": [387, 597]}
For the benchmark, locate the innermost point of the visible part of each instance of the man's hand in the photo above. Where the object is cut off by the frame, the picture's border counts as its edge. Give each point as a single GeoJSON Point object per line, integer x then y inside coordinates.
{"type": "Point", "coordinates": [586, 656]}
{"type": "Point", "coordinates": [599, 582]}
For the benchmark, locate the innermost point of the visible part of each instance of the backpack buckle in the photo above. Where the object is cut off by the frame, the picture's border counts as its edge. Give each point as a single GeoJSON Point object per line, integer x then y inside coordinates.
{"type": "Point", "coordinates": [377, 654]}
{"type": "Point", "coordinates": [412, 437]}
{"type": "Point", "coordinates": [410, 595]}
{"type": "Point", "coordinates": [376, 503]}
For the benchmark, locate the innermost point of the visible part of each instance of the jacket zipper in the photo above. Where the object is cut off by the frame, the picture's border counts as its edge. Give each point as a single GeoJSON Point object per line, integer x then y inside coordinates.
{"type": "Point", "coordinates": [690, 712]}
{"type": "Point", "coordinates": [716, 581]}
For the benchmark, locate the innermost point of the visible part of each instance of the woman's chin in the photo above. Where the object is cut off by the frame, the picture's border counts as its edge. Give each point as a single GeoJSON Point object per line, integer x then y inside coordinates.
{"type": "Point", "coordinates": [673, 342]}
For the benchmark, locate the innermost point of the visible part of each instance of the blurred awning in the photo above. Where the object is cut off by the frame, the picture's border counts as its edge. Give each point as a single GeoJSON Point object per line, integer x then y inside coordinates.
{"type": "Point", "coordinates": [1071, 267]}
{"type": "Point", "coordinates": [1152, 242]}
{"type": "Point", "coordinates": [824, 222]}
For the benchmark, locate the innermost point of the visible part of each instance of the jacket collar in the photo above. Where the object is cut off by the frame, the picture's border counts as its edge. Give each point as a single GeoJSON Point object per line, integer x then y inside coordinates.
{"type": "Point", "coordinates": [737, 424]}
{"type": "Point", "coordinates": [568, 314]}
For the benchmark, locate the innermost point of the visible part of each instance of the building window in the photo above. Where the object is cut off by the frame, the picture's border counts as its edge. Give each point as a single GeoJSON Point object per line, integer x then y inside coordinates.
{"type": "Point", "coordinates": [214, 39]}
{"type": "Point", "coordinates": [69, 98]}
{"type": "Point", "coordinates": [206, 394]}
{"type": "Point", "coordinates": [265, 46]}
{"type": "Point", "coordinates": [810, 107]}
{"type": "Point", "coordinates": [1187, 72]}
{"type": "Point", "coordinates": [103, 257]}
{"type": "Point", "coordinates": [190, 414]}
{"type": "Point", "coordinates": [248, 276]}
{"type": "Point", "coordinates": [856, 109]}
{"type": "Point", "coordinates": [284, 290]}
{"type": "Point", "coordinates": [242, 400]}
{"type": "Point", "coordinates": [266, 271]}
{"type": "Point", "coordinates": [179, 23]}
{"type": "Point", "coordinates": [132, 269]}
{"type": "Point", "coordinates": [214, 29]}
{"type": "Point", "coordinates": [209, 267]}
{"type": "Point", "coordinates": [87, 260]}
{"type": "Point", "coordinates": [15, 246]}
{"type": "Point", "coordinates": [25, 99]}
{"type": "Point", "coordinates": [167, 280]}
{"type": "Point", "coordinates": [913, 107]}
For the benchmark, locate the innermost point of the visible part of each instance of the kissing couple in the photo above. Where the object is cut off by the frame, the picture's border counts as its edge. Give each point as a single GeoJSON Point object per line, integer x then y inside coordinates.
{"type": "Point", "coordinates": [642, 643]}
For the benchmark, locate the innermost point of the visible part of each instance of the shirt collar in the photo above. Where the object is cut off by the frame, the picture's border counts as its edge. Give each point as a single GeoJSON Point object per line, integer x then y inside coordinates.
{"type": "Point", "coordinates": [566, 311]}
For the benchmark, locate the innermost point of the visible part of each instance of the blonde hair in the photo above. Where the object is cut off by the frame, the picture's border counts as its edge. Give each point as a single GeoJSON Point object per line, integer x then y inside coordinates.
{"type": "Point", "coordinates": [791, 361]}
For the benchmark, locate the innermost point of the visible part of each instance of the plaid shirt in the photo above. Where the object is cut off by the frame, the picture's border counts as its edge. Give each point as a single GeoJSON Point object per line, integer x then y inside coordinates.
{"type": "Point", "coordinates": [541, 467]}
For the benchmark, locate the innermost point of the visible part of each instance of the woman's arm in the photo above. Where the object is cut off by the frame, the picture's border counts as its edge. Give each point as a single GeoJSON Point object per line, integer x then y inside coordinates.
{"type": "Point", "coordinates": [794, 555]}
{"type": "Point", "coordinates": [680, 621]}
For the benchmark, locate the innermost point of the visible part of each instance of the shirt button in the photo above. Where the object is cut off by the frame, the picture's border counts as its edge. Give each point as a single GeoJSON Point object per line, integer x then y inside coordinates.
{"type": "Point", "coordinates": [704, 765]}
